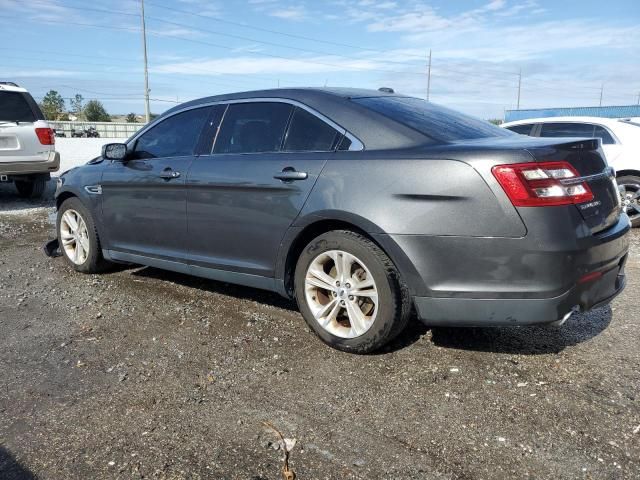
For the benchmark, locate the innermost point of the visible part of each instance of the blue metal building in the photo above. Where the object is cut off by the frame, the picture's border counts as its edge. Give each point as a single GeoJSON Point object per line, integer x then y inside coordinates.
{"type": "Point", "coordinates": [625, 111]}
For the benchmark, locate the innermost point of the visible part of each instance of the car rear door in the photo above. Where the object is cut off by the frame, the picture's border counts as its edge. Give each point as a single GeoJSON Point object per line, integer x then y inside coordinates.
{"type": "Point", "coordinates": [144, 199]}
{"type": "Point", "coordinates": [244, 195]}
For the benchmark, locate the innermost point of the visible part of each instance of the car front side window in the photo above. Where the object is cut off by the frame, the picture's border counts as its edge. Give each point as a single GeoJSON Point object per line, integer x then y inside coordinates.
{"type": "Point", "coordinates": [176, 136]}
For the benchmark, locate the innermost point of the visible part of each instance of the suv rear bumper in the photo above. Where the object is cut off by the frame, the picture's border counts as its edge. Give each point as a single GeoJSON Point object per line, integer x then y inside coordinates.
{"type": "Point", "coordinates": [28, 167]}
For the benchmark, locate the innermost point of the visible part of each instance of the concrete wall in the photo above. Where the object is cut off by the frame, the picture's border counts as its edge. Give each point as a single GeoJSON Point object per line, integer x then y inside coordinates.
{"type": "Point", "coordinates": [78, 151]}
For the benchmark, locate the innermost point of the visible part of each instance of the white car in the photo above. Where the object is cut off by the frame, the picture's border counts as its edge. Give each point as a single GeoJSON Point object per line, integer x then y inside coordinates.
{"type": "Point", "coordinates": [620, 143]}
{"type": "Point", "coordinates": [27, 143]}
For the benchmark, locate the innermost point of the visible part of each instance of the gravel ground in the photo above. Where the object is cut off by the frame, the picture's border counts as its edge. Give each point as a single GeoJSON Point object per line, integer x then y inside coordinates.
{"type": "Point", "coordinates": [141, 373]}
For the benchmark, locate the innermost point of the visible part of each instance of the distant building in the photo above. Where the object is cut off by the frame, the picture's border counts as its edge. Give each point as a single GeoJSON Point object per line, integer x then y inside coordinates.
{"type": "Point", "coordinates": [627, 111]}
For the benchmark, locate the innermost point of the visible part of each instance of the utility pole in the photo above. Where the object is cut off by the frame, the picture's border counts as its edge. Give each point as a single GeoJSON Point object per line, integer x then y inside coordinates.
{"type": "Point", "coordinates": [146, 67]}
{"type": "Point", "coordinates": [429, 77]}
{"type": "Point", "coordinates": [638, 98]}
{"type": "Point", "coordinates": [601, 93]}
{"type": "Point", "coordinates": [519, 87]}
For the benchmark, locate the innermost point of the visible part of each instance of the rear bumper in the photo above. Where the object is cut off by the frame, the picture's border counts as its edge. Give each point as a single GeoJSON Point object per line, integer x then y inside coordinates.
{"type": "Point", "coordinates": [521, 311]}
{"type": "Point", "coordinates": [470, 281]}
{"type": "Point", "coordinates": [28, 167]}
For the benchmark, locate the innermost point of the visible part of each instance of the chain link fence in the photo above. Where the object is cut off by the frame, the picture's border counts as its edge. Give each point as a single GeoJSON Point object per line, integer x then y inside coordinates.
{"type": "Point", "coordinates": [104, 129]}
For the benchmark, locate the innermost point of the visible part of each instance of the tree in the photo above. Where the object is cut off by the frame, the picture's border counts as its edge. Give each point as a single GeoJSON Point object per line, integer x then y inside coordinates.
{"type": "Point", "coordinates": [76, 104]}
{"type": "Point", "coordinates": [95, 112]}
{"type": "Point", "coordinates": [52, 105]}
{"type": "Point", "coordinates": [495, 121]}
{"type": "Point", "coordinates": [131, 118]}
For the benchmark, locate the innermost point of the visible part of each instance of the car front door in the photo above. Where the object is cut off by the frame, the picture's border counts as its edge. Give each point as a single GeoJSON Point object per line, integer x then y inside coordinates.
{"type": "Point", "coordinates": [144, 198]}
{"type": "Point", "coordinates": [244, 196]}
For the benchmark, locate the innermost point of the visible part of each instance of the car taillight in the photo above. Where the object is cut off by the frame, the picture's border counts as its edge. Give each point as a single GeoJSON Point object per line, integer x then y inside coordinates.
{"type": "Point", "coordinates": [46, 136]}
{"type": "Point", "coordinates": [541, 184]}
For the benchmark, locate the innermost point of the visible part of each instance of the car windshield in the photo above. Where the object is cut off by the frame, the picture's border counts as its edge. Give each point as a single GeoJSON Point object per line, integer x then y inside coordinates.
{"type": "Point", "coordinates": [15, 108]}
{"type": "Point", "coordinates": [438, 123]}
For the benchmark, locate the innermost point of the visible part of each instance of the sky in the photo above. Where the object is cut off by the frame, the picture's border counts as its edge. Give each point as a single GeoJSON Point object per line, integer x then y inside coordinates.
{"type": "Point", "coordinates": [567, 52]}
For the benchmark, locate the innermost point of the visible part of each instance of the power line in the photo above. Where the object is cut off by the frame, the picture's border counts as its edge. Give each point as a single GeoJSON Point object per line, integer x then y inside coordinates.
{"type": "Point", "coordinates": [79, 24]}
{"type": "Point", "coordinates": [66, 54]}
{"type": "Point", "coordinates": [235, 36]}
{"type": "Point", "coordinates": [474, 72]}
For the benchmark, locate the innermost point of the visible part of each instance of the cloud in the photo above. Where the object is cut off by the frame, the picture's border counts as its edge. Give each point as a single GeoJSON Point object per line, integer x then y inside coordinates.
{"type": "Point", "coordinates": [39, 9]}
{"type": "Point", "coordinates": [422, 21]}
{"type": "Point", "coordinates": [39, 73]}
{"type": "Point", "coordinates": [291, 13]}
{"type": "Point", "coordinates": [496, 5]}
{"type": "Point", "coordinates": [243, 65]}
{"type": "Point", "coordinates": [181, 32]}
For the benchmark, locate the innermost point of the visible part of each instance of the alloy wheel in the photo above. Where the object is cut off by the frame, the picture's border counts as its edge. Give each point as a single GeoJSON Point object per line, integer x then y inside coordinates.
{"type": "Point", "coordinates": [74, 236]}
{"type": "Point", "coordinates": [341, 293]}
{"type": "Point", "coordinates": [630, 197]}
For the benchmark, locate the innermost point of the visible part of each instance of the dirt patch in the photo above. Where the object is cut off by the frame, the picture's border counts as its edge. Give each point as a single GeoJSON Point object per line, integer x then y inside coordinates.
{"type": "Point", "coordinates": [141, 373]}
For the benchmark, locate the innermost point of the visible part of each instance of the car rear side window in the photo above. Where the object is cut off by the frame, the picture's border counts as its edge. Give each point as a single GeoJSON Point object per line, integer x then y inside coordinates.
{"type": "Point", "coordinates": [566, 129]}
{"type": "Point", "coordinates": [521, 129]}
{"type": "Point", "coordinates": [438, 123]}
{"type": "Point", "coordinates": [177, 136]}
{"type": "Point", "coordinates": [601, 132]}
{"type": "Point", "coordinates": [253, 127]}
{"type": "Point", "coordinates": [14, 107]}
{"type": "Point", "coordinates": [308, 133]}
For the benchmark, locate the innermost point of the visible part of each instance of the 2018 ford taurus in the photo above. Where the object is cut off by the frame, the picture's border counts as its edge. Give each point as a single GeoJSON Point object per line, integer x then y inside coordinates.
{"type": "Point", "coordinates": [359, 204]}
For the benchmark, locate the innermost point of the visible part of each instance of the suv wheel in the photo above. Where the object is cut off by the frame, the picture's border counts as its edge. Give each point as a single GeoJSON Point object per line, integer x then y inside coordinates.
{"type": "Point", "coordinates": [630, 195]}
{"type": "Point", "coordinates": [350, 293]}
{"type": "Point", "coordinates": [78, 237]}
{"type": "Point", "coordinates": [31, 188]}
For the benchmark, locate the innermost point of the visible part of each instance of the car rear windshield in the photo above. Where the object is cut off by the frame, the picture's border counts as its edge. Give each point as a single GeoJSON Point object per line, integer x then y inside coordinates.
{"type": "Point", "coordinates": [438, 123]}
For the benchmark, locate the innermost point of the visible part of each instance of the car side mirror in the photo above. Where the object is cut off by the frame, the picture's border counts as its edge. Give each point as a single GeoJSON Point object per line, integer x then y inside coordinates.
{"type": "Point", "coordinates": [114, 151]}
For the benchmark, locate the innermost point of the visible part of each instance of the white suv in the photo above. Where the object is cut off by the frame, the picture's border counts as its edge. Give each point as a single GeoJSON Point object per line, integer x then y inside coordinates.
{"type": "Point", "coordinates": [620, 144]}
{"type": "Point", "coordinates": [27, 152]}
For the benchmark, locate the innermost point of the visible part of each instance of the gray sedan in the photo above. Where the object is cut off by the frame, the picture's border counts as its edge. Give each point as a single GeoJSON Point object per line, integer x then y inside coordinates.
{"type": "Point", "coordinates": [361, 205]}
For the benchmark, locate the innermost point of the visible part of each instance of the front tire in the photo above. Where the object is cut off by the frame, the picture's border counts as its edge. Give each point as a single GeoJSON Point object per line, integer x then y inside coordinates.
{"type": "Point", "coordinates": [78, 237]}
{"type": "Point", "coordinates": [350, 293]}
{"type": "Point", "coordinates": [630, 195]}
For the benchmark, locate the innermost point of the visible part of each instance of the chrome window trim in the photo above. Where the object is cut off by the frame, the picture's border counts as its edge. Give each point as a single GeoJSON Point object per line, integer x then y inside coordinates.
{"type": "Point", "coordinates": [356, 144]}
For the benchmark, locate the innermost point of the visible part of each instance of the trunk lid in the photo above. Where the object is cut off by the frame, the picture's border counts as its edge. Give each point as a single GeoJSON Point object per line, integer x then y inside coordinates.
{"type": "Point", "coordinates": [587, 157]}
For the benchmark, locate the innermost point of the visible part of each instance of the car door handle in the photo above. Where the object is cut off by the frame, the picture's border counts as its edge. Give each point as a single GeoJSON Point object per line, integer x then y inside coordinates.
{"type": "Point", "coordinates": [169, 174]}
{"type": "Point", "coordinates": [289, 175]}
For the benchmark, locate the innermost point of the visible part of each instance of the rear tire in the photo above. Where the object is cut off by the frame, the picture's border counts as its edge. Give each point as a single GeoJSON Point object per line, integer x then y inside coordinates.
{"type": "Point", "coordinates": [31, 188]}
{"type": "Point", "coordinates": [357, 311]}
{"type": "Point", "coordinates": [631, 197]}
{"type": "Point", "coordinates": [78, 238]}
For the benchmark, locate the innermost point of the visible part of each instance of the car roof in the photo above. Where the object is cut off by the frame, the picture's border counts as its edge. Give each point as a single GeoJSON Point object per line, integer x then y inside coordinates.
{"type": "Point", "coordinates": [374, 130]}
{"type": "Point", "coordinates": [600, 120]}
{"type": "Point", "coordinates": [11, 87]}
{"type": "Point", "coordinates": [299, 94]}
